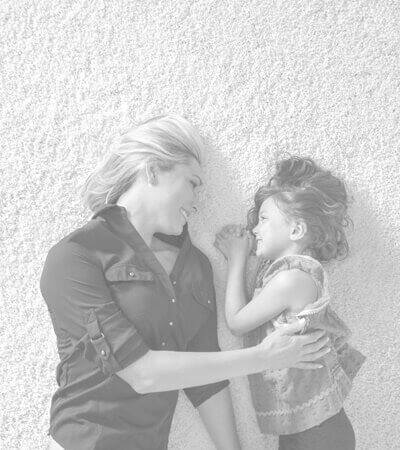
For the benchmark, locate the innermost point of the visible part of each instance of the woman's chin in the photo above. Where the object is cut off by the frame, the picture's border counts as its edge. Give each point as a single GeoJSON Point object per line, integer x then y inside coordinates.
{"type": "Point", "coordinates": [177, 229]}
{"type": "Point", "coordinates": [172, 229]}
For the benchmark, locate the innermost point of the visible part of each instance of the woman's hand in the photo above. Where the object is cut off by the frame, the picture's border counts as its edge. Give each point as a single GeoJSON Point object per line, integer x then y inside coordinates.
{"type": "Point", "coordinates": [284, 348]}
{"type": "Point", "coordinates": [234, 242]}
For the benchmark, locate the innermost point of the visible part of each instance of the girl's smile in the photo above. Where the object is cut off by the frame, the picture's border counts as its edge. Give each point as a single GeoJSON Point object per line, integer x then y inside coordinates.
{"type": "Point", "coordinates": [276, 234]}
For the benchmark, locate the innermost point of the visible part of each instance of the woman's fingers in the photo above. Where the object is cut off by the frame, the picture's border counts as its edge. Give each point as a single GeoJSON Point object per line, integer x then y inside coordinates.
{"type": "Point", "coordinates": [294, 328]}
{"type": "Point", "coordinates": [308, 365]}
{"type": "Point", "coordinates": [316, 345]}
{"type": "Point", "coordinates": [315, 355]}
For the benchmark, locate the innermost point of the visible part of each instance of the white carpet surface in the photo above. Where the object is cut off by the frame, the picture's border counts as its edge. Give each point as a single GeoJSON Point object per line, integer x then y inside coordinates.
{"type": "Point", "coordinates": [258, 77]}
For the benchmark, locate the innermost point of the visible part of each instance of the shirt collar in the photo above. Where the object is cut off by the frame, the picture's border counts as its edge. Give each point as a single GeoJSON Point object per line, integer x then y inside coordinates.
{"type": "Point", "coordinates": [117, 217]}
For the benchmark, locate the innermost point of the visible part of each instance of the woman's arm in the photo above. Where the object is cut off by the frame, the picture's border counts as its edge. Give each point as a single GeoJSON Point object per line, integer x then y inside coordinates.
{"type": "Point", "coordinates": [159, 371]}
{"type": "Point", "coordinates": [77, 295]}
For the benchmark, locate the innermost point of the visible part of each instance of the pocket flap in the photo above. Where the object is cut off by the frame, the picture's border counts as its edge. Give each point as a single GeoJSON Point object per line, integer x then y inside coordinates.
{"type": "Point", "coordinates": [204, 295]}
{"type": "Point", "coordinates": [128, 272]}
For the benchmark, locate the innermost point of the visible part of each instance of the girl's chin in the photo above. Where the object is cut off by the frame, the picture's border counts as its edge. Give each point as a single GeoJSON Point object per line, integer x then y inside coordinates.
{"type": "Point", "coordinates": [261, 253]}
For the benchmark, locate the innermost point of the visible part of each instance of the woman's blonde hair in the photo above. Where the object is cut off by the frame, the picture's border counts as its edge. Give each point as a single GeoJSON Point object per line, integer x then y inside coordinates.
{"type": "Point", "coordinates": [163, 141]}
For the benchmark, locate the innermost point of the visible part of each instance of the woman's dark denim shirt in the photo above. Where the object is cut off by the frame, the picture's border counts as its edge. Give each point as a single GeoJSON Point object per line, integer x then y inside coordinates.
{"type": "Point", "coordinates": [111, 301]}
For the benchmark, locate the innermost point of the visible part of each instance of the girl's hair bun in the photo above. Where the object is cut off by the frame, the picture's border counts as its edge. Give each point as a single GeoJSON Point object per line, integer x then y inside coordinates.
{"type": "Point", "coordinates": [294, 171]}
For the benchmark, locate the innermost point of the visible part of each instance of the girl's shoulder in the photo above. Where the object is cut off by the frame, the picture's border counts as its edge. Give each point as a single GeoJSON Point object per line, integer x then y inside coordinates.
{"type": "Point", "coordinates": [305, 263]}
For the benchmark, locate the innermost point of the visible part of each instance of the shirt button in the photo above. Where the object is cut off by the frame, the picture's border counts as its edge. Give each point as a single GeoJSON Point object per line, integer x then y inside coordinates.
{"type": "Point", "coordinates": [174, 282]}
{"type": "Point", "coordinates": [131, 274]}
{"type": "Point", "coordinates": [163, 344]}
{"type": "Point", "coordinates": [208, 301]}
{"type": "Point", "coordinates": [103, 353]}
{"type": "Point", "coordinates": [173, 300]}
{"type": "Point", "coordinates": [171, 323]}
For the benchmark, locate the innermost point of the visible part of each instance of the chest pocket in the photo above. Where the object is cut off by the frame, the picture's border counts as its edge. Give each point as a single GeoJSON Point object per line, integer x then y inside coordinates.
{"type": "Point", "coordinates": [134, 289]}
{"type": "Point", "coordinates": [204, 295]}
{"type": "Point", "coordinates": [127, 272]}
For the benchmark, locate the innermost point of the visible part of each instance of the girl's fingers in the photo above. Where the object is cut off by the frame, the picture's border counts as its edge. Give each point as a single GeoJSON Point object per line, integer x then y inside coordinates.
{"type": "Point", "coordinates": [224, 235]}
{"type": "Point", "coordinates": [228, 228]}
{"type": "Point", "coordinates": [217, 243]}
{"type": "Point", "coordinates": [231, 229]}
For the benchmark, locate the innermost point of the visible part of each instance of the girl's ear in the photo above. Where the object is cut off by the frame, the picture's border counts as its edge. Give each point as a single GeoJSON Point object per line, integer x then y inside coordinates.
{"type": "Point", "coordinates": [298, 231]}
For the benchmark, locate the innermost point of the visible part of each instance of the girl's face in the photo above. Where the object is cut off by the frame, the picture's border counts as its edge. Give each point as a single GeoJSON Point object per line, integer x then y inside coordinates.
{"type": "Point", "coordinates": [273, 231]}
{"type": "Point", "coordinates": [175, 196]}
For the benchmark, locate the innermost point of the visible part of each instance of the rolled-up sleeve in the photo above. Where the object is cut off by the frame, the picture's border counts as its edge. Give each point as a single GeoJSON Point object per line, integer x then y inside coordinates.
{"type": "Point", "coordinates": [78, 298]}
{"type": "Point", "coordinates": [206, 340]}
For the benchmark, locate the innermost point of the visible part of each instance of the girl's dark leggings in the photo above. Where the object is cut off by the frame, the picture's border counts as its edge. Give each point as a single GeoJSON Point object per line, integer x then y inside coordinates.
{"type": "Point", "coordinates": [336, 433]}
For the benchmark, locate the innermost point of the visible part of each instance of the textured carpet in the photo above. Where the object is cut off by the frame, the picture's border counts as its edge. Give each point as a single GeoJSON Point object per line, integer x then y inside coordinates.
{"type": "Point", "coordinates": [258, 78]}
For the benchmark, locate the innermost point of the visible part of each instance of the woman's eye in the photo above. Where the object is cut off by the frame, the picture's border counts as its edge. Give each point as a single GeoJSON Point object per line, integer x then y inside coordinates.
{"type": "Point", "coordinates": [194, 184]}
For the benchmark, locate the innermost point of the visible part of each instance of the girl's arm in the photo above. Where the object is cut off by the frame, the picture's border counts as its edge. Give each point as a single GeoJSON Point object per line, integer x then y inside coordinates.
{"type": "Point", "coordinates": [287, 290]}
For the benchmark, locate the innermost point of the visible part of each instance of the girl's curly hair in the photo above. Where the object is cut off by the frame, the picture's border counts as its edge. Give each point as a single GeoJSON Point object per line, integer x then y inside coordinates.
{"type": "Point", "coordinates": [303, 190]}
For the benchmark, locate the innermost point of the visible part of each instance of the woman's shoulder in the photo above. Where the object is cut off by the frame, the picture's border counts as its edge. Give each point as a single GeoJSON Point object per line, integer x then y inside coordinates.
{"type": "Point", "coordinates": [88, 239]}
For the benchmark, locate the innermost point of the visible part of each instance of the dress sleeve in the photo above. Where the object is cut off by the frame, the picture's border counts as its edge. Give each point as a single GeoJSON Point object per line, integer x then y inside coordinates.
{"type": "Point", "coordinates": [206, 340]}
{"type": "Point", "coordinates": [78, 298]}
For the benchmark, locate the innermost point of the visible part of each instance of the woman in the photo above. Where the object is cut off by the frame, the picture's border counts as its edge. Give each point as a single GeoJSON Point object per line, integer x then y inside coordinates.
{"type": "Point", "coordinates": [133, 305]}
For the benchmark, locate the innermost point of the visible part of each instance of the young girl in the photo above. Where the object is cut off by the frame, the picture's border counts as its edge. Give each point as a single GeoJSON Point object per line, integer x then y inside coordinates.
{"type": "Point", "coordinates": [298, 222]}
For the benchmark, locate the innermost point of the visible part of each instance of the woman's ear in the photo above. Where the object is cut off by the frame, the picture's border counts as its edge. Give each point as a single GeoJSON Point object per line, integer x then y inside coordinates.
{"type": "Point", "coordinates": [298, 231]}
{"type": "Point", "coordinates": [151, 174]}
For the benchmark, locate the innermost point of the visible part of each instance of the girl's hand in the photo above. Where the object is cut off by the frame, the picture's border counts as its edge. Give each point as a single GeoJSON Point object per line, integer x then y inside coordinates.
{"type": "Point", "coordinates": [284, 348]}
{"type": "Point", "coordinates": [234, 242]}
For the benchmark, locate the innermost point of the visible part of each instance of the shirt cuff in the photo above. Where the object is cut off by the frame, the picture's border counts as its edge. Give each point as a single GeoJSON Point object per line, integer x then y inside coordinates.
{"type": "Point", "coordinates": [113, 343]}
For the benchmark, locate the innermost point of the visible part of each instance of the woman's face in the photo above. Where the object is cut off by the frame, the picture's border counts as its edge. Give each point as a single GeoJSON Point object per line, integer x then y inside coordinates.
{"type": "Point", "coordinates": [175, 197]}
{"type": "Point", "coordinates": [272, 232]}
